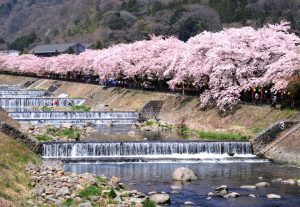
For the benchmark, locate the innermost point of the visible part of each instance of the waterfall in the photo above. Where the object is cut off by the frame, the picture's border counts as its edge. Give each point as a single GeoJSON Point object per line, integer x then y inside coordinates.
{"type": "Point", "coordinates": [21, 93]}
{"type": "Point", "coordinates": [38, 102]}
{"type": "Point", "coordinates": [154, 149]}
{"type": "Point", "coordinates": [9, 87]}
{"type": "Point", "coordinates": [73, 117]}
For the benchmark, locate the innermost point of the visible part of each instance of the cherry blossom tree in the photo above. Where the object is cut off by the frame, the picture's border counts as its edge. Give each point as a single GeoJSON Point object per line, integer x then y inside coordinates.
{"type": "Point", "coordinates": [221, 64]}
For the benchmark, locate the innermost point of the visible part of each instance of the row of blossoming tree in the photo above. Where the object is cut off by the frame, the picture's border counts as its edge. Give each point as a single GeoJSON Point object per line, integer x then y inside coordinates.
{"type": "Point", "coordinates": [221, 64]}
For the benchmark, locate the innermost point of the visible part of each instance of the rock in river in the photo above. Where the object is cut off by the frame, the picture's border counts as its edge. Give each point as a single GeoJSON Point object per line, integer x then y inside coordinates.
{"type": "Point", "coordinates": [250, 187]}
{"type": "Point", "coordinates": [262, 185]}
{"type": "Point", "coordinates": [160, 198]}
{"type": "Point", "coordinates": [184, 174]}
{"type": "Point", "coordinates": [273, 196]}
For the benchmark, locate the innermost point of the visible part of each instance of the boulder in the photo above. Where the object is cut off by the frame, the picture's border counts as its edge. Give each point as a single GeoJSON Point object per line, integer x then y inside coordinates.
{"type": "Point", "coordinates": [63, 191]}
{"type": "Point", "coordinates": [38, 191]}
{"type": "Point", "coordinates": [77, 200]}
{"type": "Point", "coordinates": [131, 134]}
{"type": "Point", "coordinates": [262, 185]}
{"type": "Point", "coordinates": [114, 181]}
{"type": "Point", "coordinates": [88, 178]}
{"type": "Point", "coordinates": [50, 190]}
{"type": "Point", "coordinates": [188, 203]}
{"type": "Point", "coordinates": [273, 196]}
{"type": "Point", "coordinates": [252, 195]}
{"type": "Point", "coordinates": [86, 204]}
{"type": "Point", "coordinates": [289, 181]}
{"type": "Point", "coordinates": [175, 187]}
{"type": "Point", "coordinates": [222, 190]}
{"type": "Point", "coordinates": [184, 174]}
{"type": "Point", "coordinates": [277, 180]}
{"type": "Point", "coordinates": [94, 198]}
{"type": "Point", "coordinates": [232, 195]}
{"type": "Point", "coordinates": [222, 193]}
{"type": "Point", "coordinates": [249, 187]}
{"type": "Point", "coordinates": [160, 198]}
{"type": "Point", "coordinates": [137, 200]}
{"type": "Point", "coordinates": [222, 187]}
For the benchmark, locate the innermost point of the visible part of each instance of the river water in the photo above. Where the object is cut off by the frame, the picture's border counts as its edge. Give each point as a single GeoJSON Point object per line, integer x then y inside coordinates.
{"type": "Point", "coordinates": [148, 177]}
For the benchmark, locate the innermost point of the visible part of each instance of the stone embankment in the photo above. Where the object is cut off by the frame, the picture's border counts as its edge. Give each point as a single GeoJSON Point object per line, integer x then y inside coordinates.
{"type": "Point", "coordinates": [19, 136]}
{"type": "Point", "coordinates": [280, 142]}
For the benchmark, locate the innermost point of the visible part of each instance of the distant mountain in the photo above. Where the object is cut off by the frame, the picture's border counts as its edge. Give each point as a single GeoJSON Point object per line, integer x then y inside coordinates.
{"type": "Point", "coordinates": [24, 23]}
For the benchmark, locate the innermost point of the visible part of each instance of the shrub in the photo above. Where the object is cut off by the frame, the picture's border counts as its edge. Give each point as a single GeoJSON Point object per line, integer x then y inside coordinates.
{"type": "Point", "coordinates": [43, 138]}
{"type": "Point", "coordinates": [112, 194]}
{"type": "Point", "coordinates": [149, 203]}
{"type": "Point", "coordinates": [68, 202]}
{"type": "Point", "coordinates": [90, 191]}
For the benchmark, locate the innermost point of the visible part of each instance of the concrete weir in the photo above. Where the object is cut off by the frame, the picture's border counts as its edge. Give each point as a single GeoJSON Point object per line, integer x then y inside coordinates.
{"type": "Point", "coordinates": [161, 150]}
{"type": "Point", "coordinates": [10, 103]}
{"type": "Point", "coordinates": [75, 117]}
{"type": "Point", "coordinates": [21, 93]}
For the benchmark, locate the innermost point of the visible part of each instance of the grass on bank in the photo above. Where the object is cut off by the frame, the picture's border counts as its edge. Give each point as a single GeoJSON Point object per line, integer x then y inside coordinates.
{"type": "Point", "coordinates": [90, 191]}
{"type": "Point", "coordinates": [190, 133]}
{"type": "Point", "coordinates": [211, 135]}
{"type": "Point", "coordinates": [81, 108]}
{"type": "Point", "coordinates": [43, 138]}
{"type": "Point", "coordinates": [14, 181]}
{"type": "Point", "coordinates": [70, 133]}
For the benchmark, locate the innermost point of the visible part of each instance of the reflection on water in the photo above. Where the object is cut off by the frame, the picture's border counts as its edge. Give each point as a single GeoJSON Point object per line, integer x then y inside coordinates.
{"type": "Point", "coordinates": [211, 175]}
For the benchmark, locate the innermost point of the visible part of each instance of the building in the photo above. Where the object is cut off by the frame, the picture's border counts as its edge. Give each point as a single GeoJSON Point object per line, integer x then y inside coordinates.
{"type": "Point", "coordinates": [57, 49]}
{"type": "Point", "coordinates": [10, 52]}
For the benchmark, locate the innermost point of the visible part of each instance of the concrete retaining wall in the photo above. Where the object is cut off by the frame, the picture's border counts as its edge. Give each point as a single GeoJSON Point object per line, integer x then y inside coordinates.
{"type": "Point", "coordinates": [14, 133]}
{"type": "Point", "coordinates": [270, 134]}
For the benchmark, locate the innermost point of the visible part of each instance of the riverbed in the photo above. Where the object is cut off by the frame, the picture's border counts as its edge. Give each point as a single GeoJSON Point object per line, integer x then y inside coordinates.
{"type": "Point", "coordinates": [147, 177]}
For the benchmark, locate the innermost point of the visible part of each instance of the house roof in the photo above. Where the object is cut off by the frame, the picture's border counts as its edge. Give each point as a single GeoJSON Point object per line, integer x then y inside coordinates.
{"type": "Point", "coordinates": [51, 48]}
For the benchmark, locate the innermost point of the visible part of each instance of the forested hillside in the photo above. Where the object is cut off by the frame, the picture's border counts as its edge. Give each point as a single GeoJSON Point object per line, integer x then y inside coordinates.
{"type": "Point", "coordinates": [24, 23]}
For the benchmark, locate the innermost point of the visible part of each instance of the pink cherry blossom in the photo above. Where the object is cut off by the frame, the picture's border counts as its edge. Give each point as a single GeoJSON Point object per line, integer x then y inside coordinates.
{"type": "Point", "coordinates": [221, 64]}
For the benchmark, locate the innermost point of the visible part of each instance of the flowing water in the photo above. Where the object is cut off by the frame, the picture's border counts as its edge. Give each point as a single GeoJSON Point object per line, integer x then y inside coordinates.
{"type": "Point", "coordinates": [147, 177]}
{"type": "Point", "coordinates": [149, 149]}
{"type": "Point", "coordinates": [71, 117]}
{"type": "Point", "coordinates": [21, 93]}
{"type": "Point", "coordinates": [4, 87]}
{"type": "Point", "coordinates": [9, 103]}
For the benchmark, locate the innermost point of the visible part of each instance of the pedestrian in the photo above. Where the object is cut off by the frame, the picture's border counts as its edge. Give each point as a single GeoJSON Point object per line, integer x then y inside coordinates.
{"type": "Point", "coordinates": [256, 98]}
{"type": "Point", "coordinates": [274, 101]}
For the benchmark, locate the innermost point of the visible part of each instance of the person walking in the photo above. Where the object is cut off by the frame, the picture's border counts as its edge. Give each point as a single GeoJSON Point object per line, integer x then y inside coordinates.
{"type": "Point", "coordinates": [256, 98]}
{"type": "Point", "coordinates": [274, 101]}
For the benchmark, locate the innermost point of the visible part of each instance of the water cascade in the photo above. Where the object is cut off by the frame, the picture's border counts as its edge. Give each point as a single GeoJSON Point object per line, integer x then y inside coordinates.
{"type": "Point", "coordinates": [21, 93]}
{"type": "Point", "coordinates": [151, 150]}
{"type": "Point", "coordinates": [9, 87]}
{"type": "Point", "coordinates": [9, 103]}
{"type": "Point", "coordinates": [73, 117]}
